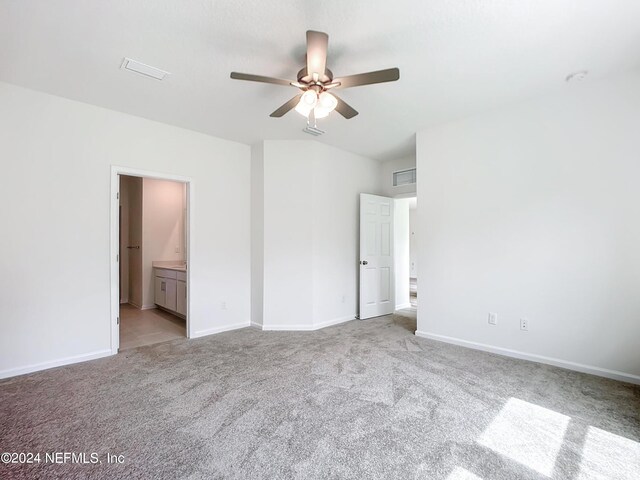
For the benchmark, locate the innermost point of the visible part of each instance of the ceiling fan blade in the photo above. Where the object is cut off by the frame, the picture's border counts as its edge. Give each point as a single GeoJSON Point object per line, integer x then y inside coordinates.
{"type": "Point", "coordinates": [344, 109]}
{"type": "Point", "coordinates": [259, 78]}
{"type": "Point", "coordinates": [317, 43]}
{"type": "Point", "coordinates": [380, 76]}
{"type": "Point", "coordinates": [291, 104]}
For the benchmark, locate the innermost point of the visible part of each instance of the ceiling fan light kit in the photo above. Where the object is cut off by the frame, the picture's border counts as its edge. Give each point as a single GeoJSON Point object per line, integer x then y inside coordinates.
{"type": "Point", "coordinates": [315, 79]}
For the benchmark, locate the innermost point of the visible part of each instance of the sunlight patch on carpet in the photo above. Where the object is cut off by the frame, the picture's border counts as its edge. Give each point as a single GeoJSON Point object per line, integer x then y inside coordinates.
{"type": "Point", "coordinates": [607, 455]}
{"type": "Point", "coordinates": [460, 473]}
{"type": "Point", "coordinates": [527, 433]}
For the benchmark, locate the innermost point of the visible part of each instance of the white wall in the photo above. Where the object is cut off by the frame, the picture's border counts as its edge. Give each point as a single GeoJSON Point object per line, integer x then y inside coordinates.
{"type": "Point", "coordinates": [257, 233]}
{"type": "Point", "coordinates": [338, 179]}
{"type": "Point", "coordinates": [413, 243]}
{"type": "Point", "coordinates": [534, 211]}
{"type": "Point", "coordinates": [311, 232]}
{"type": "Point", "coordinates": [163, 226]}
{"type": "Point", "coordinates": [55, 285]}
{"type": "Point", "coordinates": [288, 234]}
{"type": "Point", "coordinates": [401, 252]}
{"type": "Point", "coordinates": [386, 171]}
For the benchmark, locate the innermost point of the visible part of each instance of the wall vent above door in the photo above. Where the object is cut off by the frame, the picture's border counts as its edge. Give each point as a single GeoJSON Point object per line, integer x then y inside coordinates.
{"type": "Point", "coordinates": [404, 177]}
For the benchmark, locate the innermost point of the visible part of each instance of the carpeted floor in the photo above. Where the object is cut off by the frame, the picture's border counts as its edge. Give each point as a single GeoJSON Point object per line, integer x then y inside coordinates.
{"type": "Point", "coordinates": [366, 399]}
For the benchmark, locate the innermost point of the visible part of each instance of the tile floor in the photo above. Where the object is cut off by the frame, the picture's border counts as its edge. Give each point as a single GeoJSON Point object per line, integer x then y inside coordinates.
{"type": "Point", "coordinates": [413, 291]}
{"type": "Point", "coordinates": [146, 327]}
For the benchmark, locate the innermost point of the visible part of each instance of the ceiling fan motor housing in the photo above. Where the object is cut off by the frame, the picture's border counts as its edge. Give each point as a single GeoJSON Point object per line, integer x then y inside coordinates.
{"type": "Point", "coordinates": [304, 77]}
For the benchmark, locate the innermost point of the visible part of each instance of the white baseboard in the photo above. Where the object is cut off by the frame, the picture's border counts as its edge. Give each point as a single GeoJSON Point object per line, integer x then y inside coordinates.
{"type": "Point", "coordinates": [334, 321]}
{"type": "Point", "coordinates": [256, 325]}
{"type": "Point", "coordinates": [288, 328]}
{"type": "Point", "coordinates": [308, 327]}
{"type": "Point", "coordinates": [55, 363]}
{"type": "Point", "coordinates": [403, 306]}
{"type": "Point", "coordinates": [578, 367]}
{"type": "Point", "coordinates": [226, 328]}
{"type": "Point", "coordinates": [148, 307]}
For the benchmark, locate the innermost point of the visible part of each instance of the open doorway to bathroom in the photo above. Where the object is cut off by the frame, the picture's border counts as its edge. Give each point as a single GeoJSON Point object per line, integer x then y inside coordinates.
{"type": "Point", "coordinates": [413, 256]}
{"type": "Point", "coordinates": [405, 248]}
{"type": "Point", "coordinates": [152, 269]}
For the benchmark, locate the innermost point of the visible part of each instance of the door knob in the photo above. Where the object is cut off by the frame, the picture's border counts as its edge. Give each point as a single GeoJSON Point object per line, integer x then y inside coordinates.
{"type": "Point", "coordinates": [364, 262]}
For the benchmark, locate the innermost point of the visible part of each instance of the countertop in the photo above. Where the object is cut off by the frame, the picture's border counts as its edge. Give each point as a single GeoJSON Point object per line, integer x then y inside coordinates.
{"type": "Point", "coordinates": [177, 266]}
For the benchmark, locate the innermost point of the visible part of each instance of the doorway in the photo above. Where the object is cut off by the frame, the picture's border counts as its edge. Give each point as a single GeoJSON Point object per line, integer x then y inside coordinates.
{"type": "Point", "coordinates": [150, 224]}
{"type": "Point", "coordinates": [406, 262]}
{"type": "Point", "coordinates": [388, 274]}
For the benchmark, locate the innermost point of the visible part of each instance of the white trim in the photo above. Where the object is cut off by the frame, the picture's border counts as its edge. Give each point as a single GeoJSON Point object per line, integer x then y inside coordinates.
{"type": "Point", "coordinates": [405, 195]}
{"type": "Point", "coordinates": [578, 367]}
{"type": "Point", "coordinates": [115, 243]}
{"type": "Point", "coordinates": [403, 306]}
{"type": "Point", "coordinates": [148, 307]}
{"type": "Point", "coordinates": [55, 363]}
{"type": "Point", "coordinates": [307, 327]}
{"type": "Point", "coordinates": [335, 321]}
{"type": "Point", "coordinates": [226, 328]}
{"type": "Point", "coordinates": [256, 325]}
{"type": "Point", "coordinates": [288, 328]}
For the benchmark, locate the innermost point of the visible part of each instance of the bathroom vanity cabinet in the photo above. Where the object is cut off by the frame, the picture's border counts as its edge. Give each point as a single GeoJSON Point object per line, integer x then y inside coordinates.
{"type": "Point", "coordinates": [171, 289]}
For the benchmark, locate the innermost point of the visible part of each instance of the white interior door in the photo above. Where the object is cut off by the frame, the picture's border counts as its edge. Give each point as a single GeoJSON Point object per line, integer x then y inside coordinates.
{"type": "Point", "coordinates": [376, 256]}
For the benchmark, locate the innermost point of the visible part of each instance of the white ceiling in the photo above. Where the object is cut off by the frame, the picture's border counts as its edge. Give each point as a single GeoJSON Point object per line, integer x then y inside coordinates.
{"type": "Point", "coordinates": [455, 58]}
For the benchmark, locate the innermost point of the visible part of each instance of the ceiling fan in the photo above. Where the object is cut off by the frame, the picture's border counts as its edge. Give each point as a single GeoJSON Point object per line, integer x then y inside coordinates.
{"type": "Point", "coordinates": [315, 80]}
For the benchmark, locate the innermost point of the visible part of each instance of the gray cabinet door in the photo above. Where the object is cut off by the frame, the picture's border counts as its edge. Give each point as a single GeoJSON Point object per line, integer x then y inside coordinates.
{"type": "Point", "coordinates": [171, 294]}
{"type": "Point", "coordinates": [161, 291]}
{"type": "Point", "coordinates": [181, 300]}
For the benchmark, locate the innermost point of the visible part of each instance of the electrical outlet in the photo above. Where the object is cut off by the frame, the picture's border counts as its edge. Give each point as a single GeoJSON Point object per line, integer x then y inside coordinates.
{"type": "Point", "coordinates": [223, 306]}
{"type": "Point", "coordinates": [177, 249]}
{"type": "Point", "coordinates": [524, 324]}
{"type": "Point", "coordinates": [344, 298]}
{"type": "Point", "coordinates": [493, 318]}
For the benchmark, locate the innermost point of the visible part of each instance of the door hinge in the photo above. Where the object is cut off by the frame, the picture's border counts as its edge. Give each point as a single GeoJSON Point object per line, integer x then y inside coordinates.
{"type": "Point", "coordinates": [117, 195]}
{"type": "Point", "coordinates": [117, 257]}
{"type": "Point", "coordinates": [118, 320]}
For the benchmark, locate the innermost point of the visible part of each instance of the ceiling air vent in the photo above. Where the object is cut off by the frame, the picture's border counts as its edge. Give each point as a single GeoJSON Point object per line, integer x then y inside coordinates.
{"type": "Point", "coordinates": [404, 177]}
{"type": "Point", "coordinates": [142, 69]}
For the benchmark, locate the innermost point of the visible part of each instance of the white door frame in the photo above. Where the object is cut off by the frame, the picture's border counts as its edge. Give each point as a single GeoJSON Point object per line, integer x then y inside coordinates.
{"type": "Point", "coordinates": [116, 171]}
